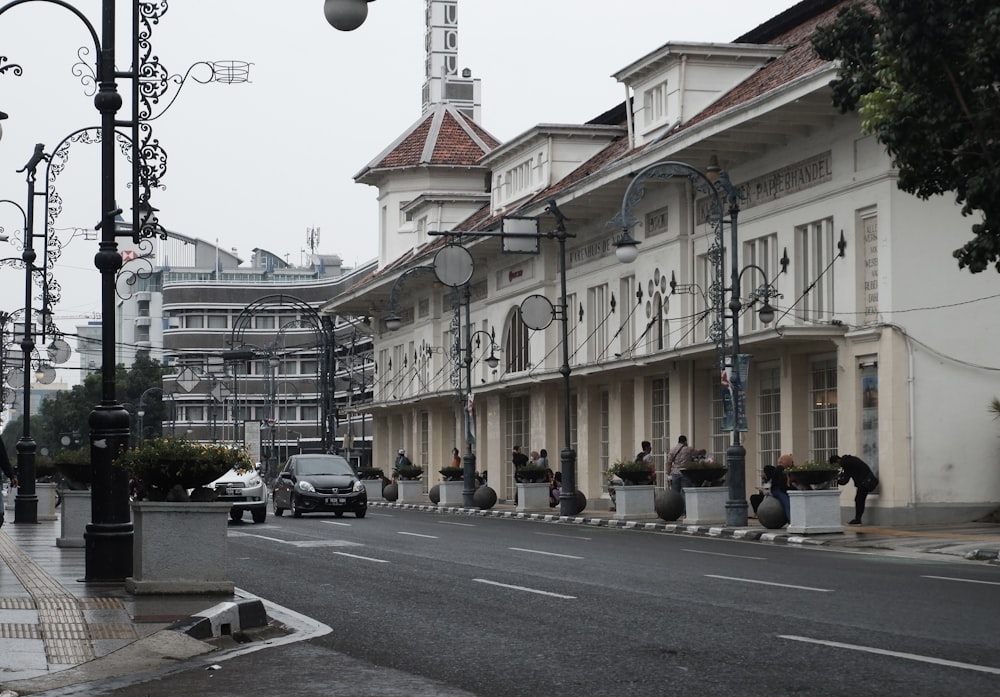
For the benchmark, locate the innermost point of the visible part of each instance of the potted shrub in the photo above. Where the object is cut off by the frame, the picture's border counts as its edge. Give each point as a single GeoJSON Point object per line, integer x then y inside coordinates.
{"type": "Point", "coordinates": [409, 472]}
{"type": "Point", "coordinates": [812, 475]}
{"type": "Point", "coordinates": [631, 472]}
{"type": "Point", "coordinates": [705, 472]}
{"type": "Point", "coordinates": [179, 545]}
{"type": "Point", "coordinates": [531, 474]}
{"type": "Point", "coordinates": [169, 467]}
{"type": "Point", "coordinates": [630, 500]}
{"type": "Point", "coordinates": [74, 466]}
{"type": "Point", "coordinates": [452, 474]}
{"type": "Point", "coordinates": [374, 480]}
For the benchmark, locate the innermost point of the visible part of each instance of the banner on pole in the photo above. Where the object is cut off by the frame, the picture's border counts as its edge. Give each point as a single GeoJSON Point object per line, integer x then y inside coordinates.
{"type": "Point", "coordinates": [734, 394]}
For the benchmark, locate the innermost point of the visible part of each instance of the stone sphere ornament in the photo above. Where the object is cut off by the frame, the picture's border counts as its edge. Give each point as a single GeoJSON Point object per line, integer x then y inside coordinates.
{"type": "Point", "coordinates": [770, 514]}
{"type": "Point", "coordinates": [434, 494]}
{"type": "Point", "coordinates": [485, 498]}
{"type": "Point", "coordinates": [390, 492]}
{"type": "Point", "coordinates": [669, 505]}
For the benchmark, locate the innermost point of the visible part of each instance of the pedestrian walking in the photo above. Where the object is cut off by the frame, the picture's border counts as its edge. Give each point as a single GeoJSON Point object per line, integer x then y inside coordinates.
{"type": "Point", "coordinates": [677, 459]}
{"type": "Point", "coordinates": [9, 471]}
{"type": "Point", "coordinates": [865, 481]}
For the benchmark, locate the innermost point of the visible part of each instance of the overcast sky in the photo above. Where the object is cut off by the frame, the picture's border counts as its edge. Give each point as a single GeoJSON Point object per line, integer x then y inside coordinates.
{"type": "Point", "coordinates": [257, 164]}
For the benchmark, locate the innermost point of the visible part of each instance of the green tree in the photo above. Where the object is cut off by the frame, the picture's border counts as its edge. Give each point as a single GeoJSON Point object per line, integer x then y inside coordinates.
{"type": "Point", "coordinates": [925, 78]}
{"type": "Point", "coordinates": [69, 412]}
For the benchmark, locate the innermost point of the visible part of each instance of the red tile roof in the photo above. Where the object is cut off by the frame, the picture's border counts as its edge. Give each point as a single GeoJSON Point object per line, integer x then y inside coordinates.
{"type": "Point", "coordinates": [443, 136]}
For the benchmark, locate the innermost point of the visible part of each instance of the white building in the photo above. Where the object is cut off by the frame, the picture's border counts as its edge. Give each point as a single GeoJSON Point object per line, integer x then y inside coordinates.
{"type": "Point", "coordinates": [871, 351]}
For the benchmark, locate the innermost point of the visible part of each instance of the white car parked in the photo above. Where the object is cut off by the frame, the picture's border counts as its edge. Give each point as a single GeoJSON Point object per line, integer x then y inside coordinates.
{"type": "Point", "coordinates": [247, 492]}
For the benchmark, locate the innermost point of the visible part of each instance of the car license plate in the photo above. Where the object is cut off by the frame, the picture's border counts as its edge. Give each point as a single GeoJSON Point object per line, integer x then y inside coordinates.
{"type": "Point", "coordinates": [334, 500]}
{"type": "Point", "coordinates": [230, 491]}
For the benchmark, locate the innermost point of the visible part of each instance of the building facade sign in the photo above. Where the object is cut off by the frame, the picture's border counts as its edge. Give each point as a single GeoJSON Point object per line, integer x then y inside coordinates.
{"type": "Point", "coordinates": [779, 183]}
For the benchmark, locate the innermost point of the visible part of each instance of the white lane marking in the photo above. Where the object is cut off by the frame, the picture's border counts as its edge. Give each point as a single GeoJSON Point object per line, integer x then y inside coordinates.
{"type": "Point", "coordinates": [547, 554]}
{"type": "Point", "coordinates": [894, 654]}
{"type": "Point", "coordinates": [304, 543]}
{"type": "Point", "coordinates": [358, 556]}
{"type": "Point", "coordinates": [963, 580]}
{"type": "Point", "coordinates": [769, 583]}
{"type": "Point", "coordinates": [463, 525]}
{"type": "Point", "coordinates": [525, 589]}
{"type": "Point", "coordinates": [335, 522]}
{"type": "Point", "coordinates": [233, 533]}
{"type": "Point", "coordinates": [416, 534]}
{"type": "Point", "coordinates": [571, 537]}
{"type": "Point", "coordinates": [720, 554]}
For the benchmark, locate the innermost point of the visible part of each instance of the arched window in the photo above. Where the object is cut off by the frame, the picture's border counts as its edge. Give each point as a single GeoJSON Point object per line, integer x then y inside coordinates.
{"type": "Point", "coordinates": [516, 343]}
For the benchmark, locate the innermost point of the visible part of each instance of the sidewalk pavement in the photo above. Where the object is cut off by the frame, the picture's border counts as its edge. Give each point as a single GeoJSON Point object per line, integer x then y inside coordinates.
{"type": "Point", "coordinates": [56, 630]}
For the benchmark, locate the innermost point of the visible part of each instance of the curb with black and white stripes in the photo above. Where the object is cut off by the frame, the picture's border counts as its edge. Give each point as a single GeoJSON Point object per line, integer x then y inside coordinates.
{"type": "Point", "coordinates": [749, 534]}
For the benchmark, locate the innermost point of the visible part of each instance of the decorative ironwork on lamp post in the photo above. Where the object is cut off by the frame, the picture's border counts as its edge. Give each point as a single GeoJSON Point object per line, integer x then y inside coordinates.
{"type": "Point", "coordinates": [108, 538]}
{"type": "Point", "coordinates": [724, 198]}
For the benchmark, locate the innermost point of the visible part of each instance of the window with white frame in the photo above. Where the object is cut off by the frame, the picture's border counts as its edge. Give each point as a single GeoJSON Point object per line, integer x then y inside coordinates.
{"type": "Point", "coordinates": [573, 327]}
{"type": "Point", "coordinates": [654, 103]}
{"type": "Point", "coordinates": [721, 440]}
{"type": "Point", "coordinates": [425, 438]}
{"type": "Point", "coordinates": [519, 179]}
{"type": "Point", "coordinates": [815, 250]}
{"type": "Point", "coordinates": [627, 314]}
{"type": "Point", "coordinates": [597, 326]}
{"type": "Point", "coordinates": [704, 314]}
{"type": "Point", "coordinates": [764, 254]}
{"type": "Point", "coordinates": [516, 344]}
{"type": "Point", "coordinates": [768, 416]}
{"type": "Point", "coordinates": [822, 408]}
{"type": "Point", "coordinates": [604, 429]}
{"type": "Point", "coordinates": [660, 423]}
{"type": "Point", "coordinates": [517, 413]}
{"type": "Point", "coordinates": [217, 321]}
{"type": "Point", "coordinates": [656, 320]}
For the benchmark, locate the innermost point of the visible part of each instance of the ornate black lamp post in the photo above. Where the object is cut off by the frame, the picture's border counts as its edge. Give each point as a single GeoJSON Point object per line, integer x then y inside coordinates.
{"type": "Point", "coordinates": [723, 198]}
{"type": "Point", "coordinates": [109, 536]}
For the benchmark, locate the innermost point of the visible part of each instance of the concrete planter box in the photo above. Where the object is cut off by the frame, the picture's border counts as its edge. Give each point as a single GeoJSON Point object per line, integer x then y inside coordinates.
{"type": "Point", "coordinates": [179, 548]}
{"type": "Point", "coordinates": [74, 519]}
{"type": "Point", "coordinates": [46, 493]}
{"type": "Point", "coordinates": [373, 487]}
{"type": "Point", "coordinates": [705, 504]}
{"type": "Point", "coordinates": [411, 491]}
{"type": "Point", "coordinates": [815, 512]}
{"type": "Point", "coordinates": [451, 493]}
{"type": "Point", "coordinates": [635, 501]}
{"type": "Point", "coordinates": [532, 497]}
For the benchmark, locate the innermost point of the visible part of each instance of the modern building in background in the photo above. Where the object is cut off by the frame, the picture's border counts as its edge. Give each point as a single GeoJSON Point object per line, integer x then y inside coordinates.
{"type": "Point", "coordinates": [296, 387]}
{"type": "Point", "coordinates": [867, 352]}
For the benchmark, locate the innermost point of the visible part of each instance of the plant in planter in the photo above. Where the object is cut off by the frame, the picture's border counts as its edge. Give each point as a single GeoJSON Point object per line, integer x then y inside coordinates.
{"type": "Point", "coordinates": [812, 475]}
{"type": "Point", "coordinates": [409, 472]}
{"type": "Point", "coordinates": [370, 473]}
{"type": "Point", "coordinates": [452, 474]}
{"type": "Point", "coordinates": [531, 474]}
{"type": "Point", "coordinates": [169, 467]}
{"type": "Point", "coordinates": [705, 472]}
{"type": "Point", "coordinates": [631, 472]}
{"type": "Point", "coordinates": [74, 466]}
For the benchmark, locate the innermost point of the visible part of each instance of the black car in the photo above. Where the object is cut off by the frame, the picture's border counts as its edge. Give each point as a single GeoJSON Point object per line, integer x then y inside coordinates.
{"type": "Point", "coordinates": [318, 483]}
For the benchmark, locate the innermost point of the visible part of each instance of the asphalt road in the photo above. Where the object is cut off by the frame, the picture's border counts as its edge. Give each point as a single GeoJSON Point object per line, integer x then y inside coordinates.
{"type": "Point", "coordinates": [427, 604]}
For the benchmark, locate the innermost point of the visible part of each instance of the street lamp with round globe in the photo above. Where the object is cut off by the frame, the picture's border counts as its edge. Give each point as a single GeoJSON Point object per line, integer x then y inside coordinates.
{"type": "Point", "coordinates": [346, 15]}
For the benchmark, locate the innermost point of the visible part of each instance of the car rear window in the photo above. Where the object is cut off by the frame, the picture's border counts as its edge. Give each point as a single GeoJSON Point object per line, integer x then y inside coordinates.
{"type": "Point", "coordinates": [323, 465]}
